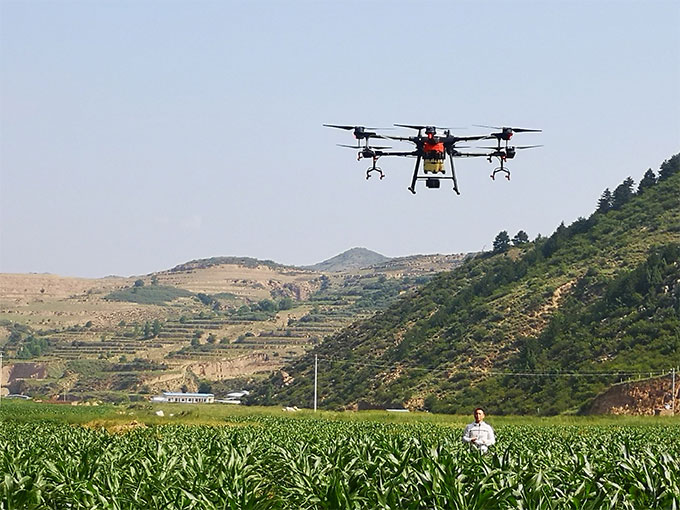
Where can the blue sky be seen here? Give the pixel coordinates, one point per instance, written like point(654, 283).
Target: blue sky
point(135, 136)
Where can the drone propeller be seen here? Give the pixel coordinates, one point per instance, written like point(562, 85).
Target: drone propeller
point(517, 147)
point(516, 130)
point(370, 147)
point(348, 128)
point(420, 128)
point(355, 128)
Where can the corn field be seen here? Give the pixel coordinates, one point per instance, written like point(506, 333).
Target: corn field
point(277, 463)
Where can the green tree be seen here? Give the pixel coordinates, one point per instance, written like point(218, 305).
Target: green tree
point(669, 167)
point(139, 283)
point(267, 305)
point(648, 180)
point(520, 238)
point(623, 193)
point(502, 242)
point(204, 387)
point(156, 328)
point(605, 201)
point(205, 298)
point(285, 303)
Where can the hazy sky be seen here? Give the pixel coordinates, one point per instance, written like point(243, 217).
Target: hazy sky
point(138, 135)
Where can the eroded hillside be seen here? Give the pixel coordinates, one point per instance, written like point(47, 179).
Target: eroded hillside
point(601, 295)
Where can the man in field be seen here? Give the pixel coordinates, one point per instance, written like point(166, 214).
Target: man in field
point(479, 434)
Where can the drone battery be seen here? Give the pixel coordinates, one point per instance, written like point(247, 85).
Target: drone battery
point(431, 182)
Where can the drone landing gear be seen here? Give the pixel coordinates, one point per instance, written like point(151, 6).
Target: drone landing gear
point(500, 169)
point(433, 181)
point(374, 169)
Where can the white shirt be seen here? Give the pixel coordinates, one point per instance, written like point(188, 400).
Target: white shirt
point(484, 434)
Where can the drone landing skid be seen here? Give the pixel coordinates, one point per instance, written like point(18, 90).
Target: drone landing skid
point(433, 182)
point(374, 169)
point(500, 169)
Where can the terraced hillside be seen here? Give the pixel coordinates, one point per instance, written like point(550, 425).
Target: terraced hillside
point(211, 319)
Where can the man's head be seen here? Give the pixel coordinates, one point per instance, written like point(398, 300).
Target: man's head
point(479, 415)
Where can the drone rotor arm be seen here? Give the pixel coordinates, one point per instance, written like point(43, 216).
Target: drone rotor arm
point(401, 154)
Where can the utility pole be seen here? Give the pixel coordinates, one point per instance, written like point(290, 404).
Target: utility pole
point(316, 367)
point(673, 394)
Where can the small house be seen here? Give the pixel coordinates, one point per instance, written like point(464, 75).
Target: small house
point(185, 398)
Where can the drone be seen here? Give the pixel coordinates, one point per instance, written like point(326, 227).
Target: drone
point(432, 146)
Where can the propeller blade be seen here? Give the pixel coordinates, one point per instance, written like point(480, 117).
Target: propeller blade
point(516, 130)
point(410, 126)
point(438, 128)
point(511, 147)
point(352, 128)
point(349, 128)
point(370, 147)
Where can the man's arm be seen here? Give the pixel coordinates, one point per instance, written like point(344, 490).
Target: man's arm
point(491, 439)
point(466, 434)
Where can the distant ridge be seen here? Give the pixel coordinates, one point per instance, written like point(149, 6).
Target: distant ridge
point(356, 258)
point(216, 261)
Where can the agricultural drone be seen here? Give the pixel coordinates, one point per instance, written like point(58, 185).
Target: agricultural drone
point(432, 145)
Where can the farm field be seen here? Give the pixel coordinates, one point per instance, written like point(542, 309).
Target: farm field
point(208, 457)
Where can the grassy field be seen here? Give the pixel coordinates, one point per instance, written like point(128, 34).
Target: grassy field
point(205, 457)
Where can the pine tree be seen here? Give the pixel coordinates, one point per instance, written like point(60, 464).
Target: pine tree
point(521, 237)
point(669, 167)
point(647, 181)
point(605, 202)
point(502, 242)
point(623, 193)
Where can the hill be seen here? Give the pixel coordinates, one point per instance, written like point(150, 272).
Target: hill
point(356, 258)
point(225, 321)
point(600, 296)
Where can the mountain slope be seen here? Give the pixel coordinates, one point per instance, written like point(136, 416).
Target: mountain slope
point(215, 319)
point(356, 258)
point(601, 295)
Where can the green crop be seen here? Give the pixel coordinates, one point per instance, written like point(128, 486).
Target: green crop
point(279, 463)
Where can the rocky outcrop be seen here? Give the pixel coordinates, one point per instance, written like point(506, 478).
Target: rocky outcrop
point(12, 375)
point(648, 397)
point(228, 369)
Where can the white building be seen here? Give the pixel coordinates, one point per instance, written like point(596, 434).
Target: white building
point(185, 398)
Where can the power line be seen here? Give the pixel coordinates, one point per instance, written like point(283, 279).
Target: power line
point(494, 372)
